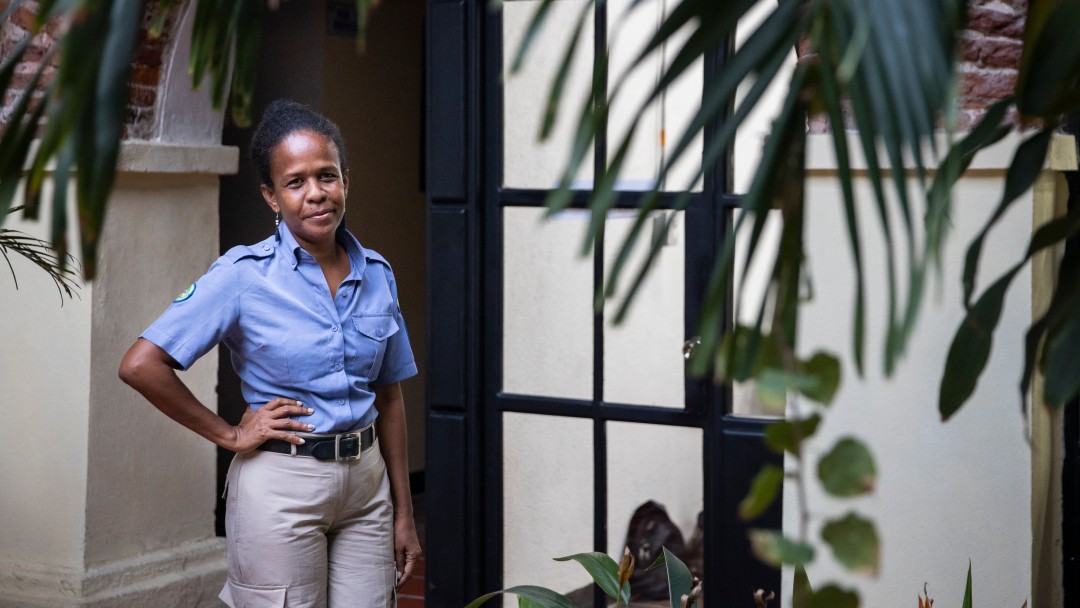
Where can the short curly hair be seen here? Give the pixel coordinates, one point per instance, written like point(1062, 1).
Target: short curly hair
point(282, 118)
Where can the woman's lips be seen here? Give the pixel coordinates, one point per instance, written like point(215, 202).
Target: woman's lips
point(321, 214)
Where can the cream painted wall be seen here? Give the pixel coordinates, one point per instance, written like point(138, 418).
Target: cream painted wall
point(106, 501)
point(44, 375)
point(160, 235)
point(947, 492)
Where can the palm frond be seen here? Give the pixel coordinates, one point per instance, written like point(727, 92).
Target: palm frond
point(61, 268)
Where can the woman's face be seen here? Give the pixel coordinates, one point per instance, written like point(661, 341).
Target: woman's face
point(309, 187)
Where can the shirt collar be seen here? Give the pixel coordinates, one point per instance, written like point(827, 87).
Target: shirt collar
point(357, 257)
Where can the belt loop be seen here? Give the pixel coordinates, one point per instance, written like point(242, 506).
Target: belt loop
point(337, 446)
point(292, 449)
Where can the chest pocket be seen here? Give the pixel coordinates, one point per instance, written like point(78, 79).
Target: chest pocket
point(372, 334)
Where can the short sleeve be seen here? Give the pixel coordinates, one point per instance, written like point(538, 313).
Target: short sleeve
point(398, 362)
point(201, 316)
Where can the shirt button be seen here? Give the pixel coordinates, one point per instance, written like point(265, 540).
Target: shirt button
point(266, 247)
point(333, 328)
point(341, 402)
point(378, 332)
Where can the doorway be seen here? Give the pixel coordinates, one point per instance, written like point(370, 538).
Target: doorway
point(309, 54)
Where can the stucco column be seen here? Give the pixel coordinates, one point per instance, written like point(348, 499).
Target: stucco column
point(106, 502)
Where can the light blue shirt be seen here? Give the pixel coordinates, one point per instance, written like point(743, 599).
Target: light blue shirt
point(269, 304)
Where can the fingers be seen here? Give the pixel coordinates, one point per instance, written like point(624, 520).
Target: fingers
point(275, 421)
point(281, 406)
point(406, 567)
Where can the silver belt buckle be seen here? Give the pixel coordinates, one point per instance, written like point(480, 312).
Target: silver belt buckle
point(337, 446)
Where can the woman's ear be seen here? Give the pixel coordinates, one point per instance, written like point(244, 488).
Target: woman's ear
point(345, 183)
point(268, 196)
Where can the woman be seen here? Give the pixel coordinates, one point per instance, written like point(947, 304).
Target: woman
point(319, 510)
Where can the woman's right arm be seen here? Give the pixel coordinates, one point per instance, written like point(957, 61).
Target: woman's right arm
point(151, 371)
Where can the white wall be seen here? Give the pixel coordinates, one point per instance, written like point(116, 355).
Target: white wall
point(948, 492)
point(44, 376)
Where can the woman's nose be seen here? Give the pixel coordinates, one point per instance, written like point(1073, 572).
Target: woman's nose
point(315, 191)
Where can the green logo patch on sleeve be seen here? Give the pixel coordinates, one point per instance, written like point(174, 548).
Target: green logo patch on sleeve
point(186, 294)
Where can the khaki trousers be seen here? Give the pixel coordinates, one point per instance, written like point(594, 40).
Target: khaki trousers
point(302, 532)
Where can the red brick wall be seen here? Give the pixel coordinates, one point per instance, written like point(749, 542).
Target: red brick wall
point(990, 53)
point(146, 69)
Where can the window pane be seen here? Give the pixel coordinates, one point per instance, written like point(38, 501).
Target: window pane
point(547, 304)
point(547, 500)
point(749, 289)
point(528, 163)
point(661, 464)
point(643, 358)
point(662, 124)
point(750, 137)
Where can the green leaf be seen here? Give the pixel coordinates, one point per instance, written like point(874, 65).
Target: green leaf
point(801, 591)
point(848, 469)
point(541, 596)
point(832, 596)
point(558, 85)
point(824, 369)
point(967, 588)
point(970, 348)
point(788, 435)
point(773, 386)
point(1051, 65)
point(854, 542)
point(602, 569)
point(763, 491)
point(833, 105)
point(773, 548)
point(536, 23)
point(1060, 355)
point(680, 581)
point(1026, 165)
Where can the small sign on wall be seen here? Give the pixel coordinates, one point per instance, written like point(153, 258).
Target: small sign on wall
point(341, 19)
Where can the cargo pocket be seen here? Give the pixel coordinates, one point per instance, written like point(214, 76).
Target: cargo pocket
point(239, 595)
point(371, 346)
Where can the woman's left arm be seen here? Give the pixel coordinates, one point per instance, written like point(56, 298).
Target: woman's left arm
point(393, 442)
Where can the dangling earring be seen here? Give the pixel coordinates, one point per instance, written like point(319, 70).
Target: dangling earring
point(277, 219)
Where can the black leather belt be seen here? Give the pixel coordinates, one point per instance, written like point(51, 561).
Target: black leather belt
point(344, 446)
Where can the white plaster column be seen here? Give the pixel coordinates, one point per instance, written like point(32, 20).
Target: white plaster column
point(107, 502)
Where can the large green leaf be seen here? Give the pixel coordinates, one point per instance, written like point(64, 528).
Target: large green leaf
point(603, 570)
point(680, 580)
point(541, 596)
point(832, 596)
point(801, 591)
point(847, 469)
point(854, 542)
